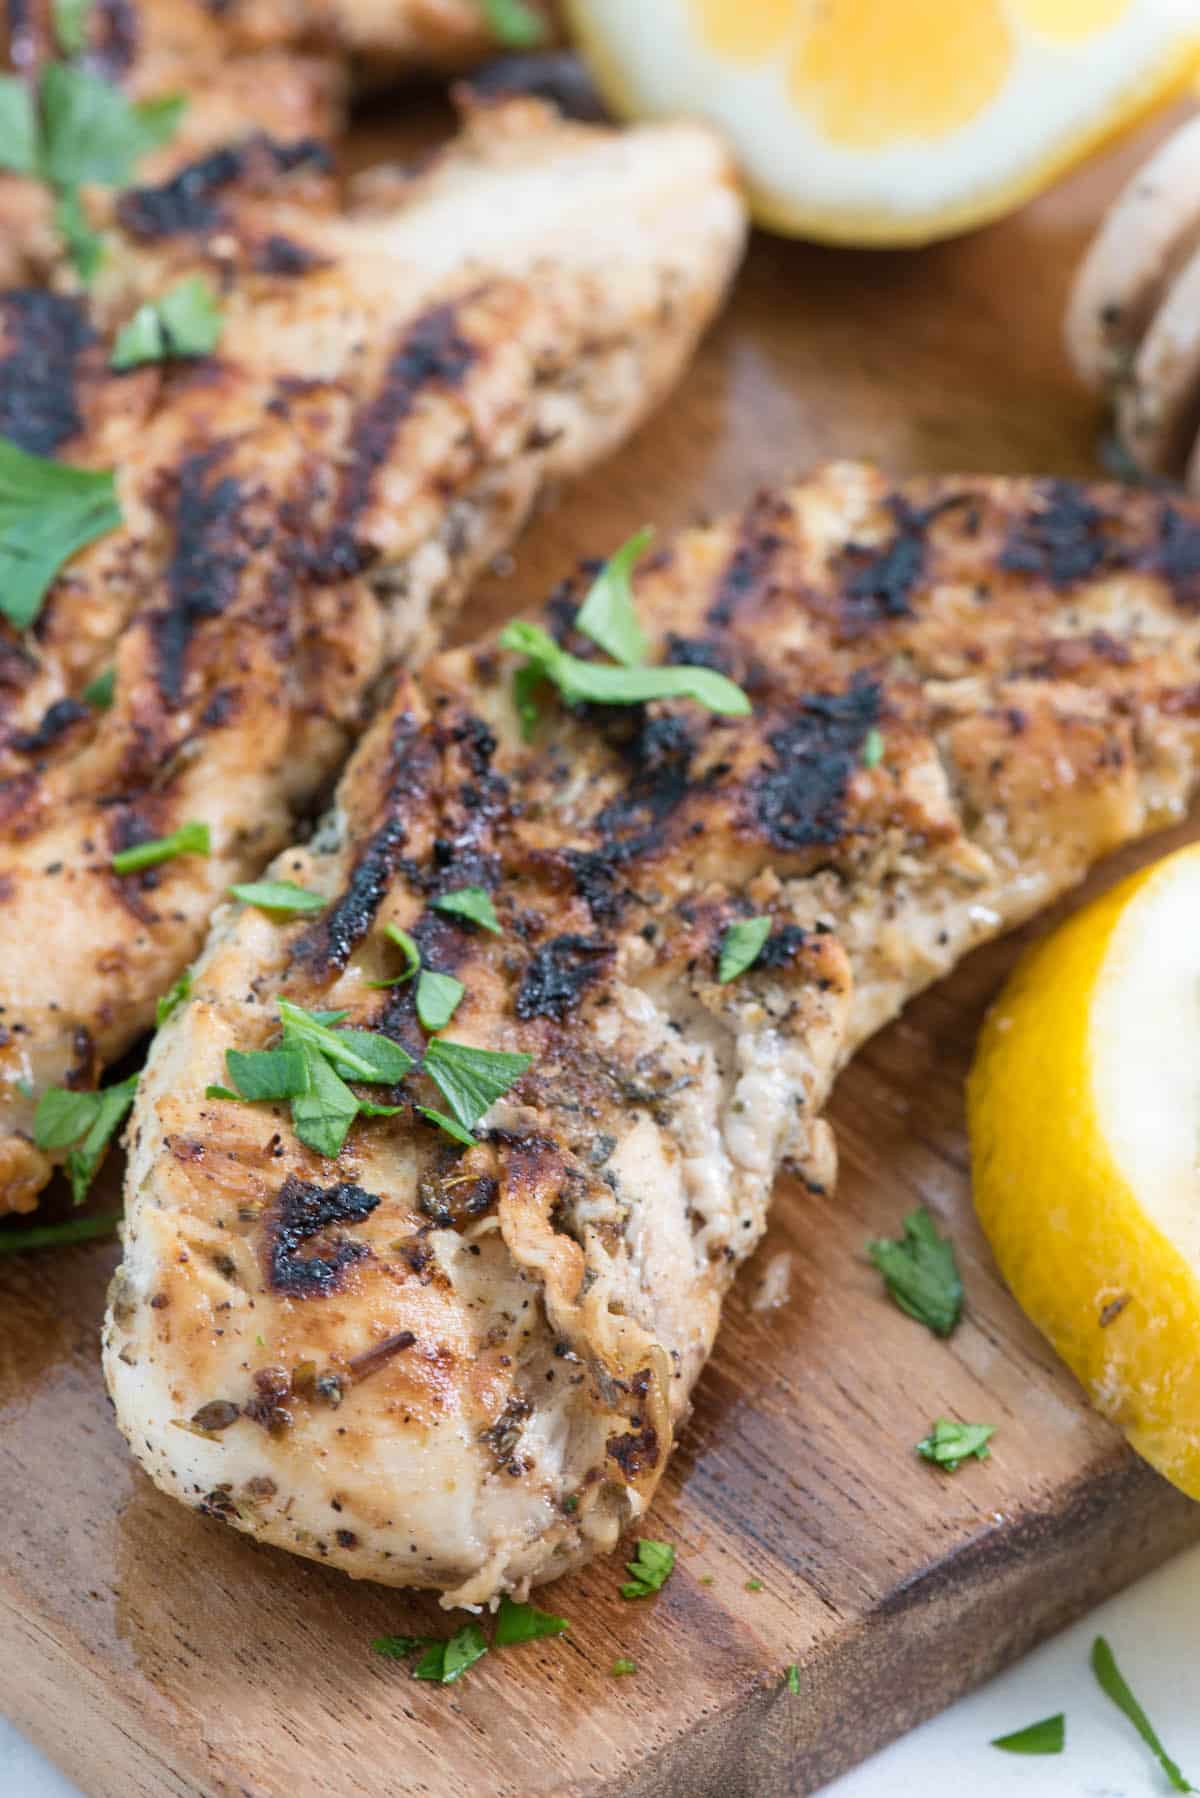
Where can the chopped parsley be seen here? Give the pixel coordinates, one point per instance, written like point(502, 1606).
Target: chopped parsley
point(872, 749)
point(608, 615)
point(471, 1080)
point(70, 25)
point(398, 1648)
point(601, 683)
point(921, 1273)
point(18, 127)
point(1112, 1683)
point(267, 1074)
point(84, 1123)
point(741, 946)
point(448, 1125)
point(754, 1585)
point(1044, 1737)
point(99, 693)
point(190, 839)
point(623, 1666)
point(514, 23)
point(792, 1679)
point(445, 1662)
point(410, 951)
point(649, 1568)
point(949, 1444)
point(282, 896)
point(170, 1001)
point(55, 1236)
point(48, 510)
point(438, 998)
point(472, 903)
point(524, 1623)
point(186, 321)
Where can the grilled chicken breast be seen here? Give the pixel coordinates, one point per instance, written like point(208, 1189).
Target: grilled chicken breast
point(391, 392)
point(463, 1368)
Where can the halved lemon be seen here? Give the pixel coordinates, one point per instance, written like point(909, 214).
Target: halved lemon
point(1084, 1117)
point(893, 121)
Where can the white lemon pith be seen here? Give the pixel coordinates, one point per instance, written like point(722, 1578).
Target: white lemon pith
point(1084, 1116)
point(892, 121)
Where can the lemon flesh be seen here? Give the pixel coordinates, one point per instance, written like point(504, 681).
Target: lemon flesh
point(893, 121)
point(1084, 1119)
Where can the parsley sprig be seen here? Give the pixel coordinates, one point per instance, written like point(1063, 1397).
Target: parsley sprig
point(921, 1273)
point(514, 24)
point(445, 1659)
point(48, 510)
point(57, 1236)
point(949, 1443)
point(649, 1568)
point(192, 838)
point(1113, 1684)
point(186, 321)
point(83, 1122)
point(1047, 1736)
point(741, 946)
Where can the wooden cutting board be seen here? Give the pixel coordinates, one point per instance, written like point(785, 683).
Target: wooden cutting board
point(151, 1651)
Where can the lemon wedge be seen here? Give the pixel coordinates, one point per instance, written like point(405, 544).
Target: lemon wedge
point(1084, 1116)
point(893, 121)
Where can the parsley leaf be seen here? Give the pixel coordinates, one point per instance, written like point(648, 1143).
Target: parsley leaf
point(607, 615)
point(1112, 1684)
point(100, 692)
point(170, 1001)
point(398, 1648)
point(18, 127)
point(921, 1273)
point(53, 1236)
point(525, 682)
point(356, 1054)
point(949, 1444)
point(872, 748)
point(91, 132)
point(623, 1666)
point(70, 25)
point(514, 23)
point(1044, 1737)
point(323, 1113)
point(87, 1120)
point(447, 1661)
point(472, 903)
point(438, 998)
point(525, 1623)
point(792, 1679)
point(270, 1074)
point(214, 1090)
point(190, 839)
point(412, 956)
point(185, 322)
point(471, 1080)
point(600, 684)
point(47, 511)
point(85, 246)
point(281, 896)
point(653, 1563)
point(448, 1125)
point(741, 946)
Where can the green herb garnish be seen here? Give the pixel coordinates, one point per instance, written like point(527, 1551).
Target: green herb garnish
point(18, 127)
point(1112, 1684)
point(471, 1080)
point(47, 511)
point(85, 247)
point(652, 1564)
point(99, 693)
point(438, 998)
point(448, 1125)
point(55, 1236)
point(356, 1054)
point(186, 321)
point(190, 839)
point(524, 1623)
point(398, 1648)
point(514, 23)
point(949, 1444)
point(792, 1679)
point(410, 951)
point(599, 683)
point(622, 1667)
point(214, 1090)
point(444, 1662)
point(741, 946)
point(1044, 1737)
point(472, 903)
point(91, 132)
point(268, 1074)
point(70, 25)
point(921, 1273)
point(754, 1585)
point(608, 615)
point(173, 998)
point(83, 1122)
point(282, 896)
point(872, 748)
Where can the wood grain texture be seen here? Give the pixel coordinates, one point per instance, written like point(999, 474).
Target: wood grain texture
point(151, 1651)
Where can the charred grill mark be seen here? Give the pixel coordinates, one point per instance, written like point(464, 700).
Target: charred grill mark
point(1177, 556)
point(782, 946)
point(636, 1451)
point(206, 564)
point(559, 972)
point(43, 336)
point(1063, 539)
point(699, 652)
point(189, 203)
point(114, 31)
point(304, 1210)
point(278, 255)
point(876, 584)
point(798, 799)
point(659, 750)
point(55, 721)
point(431, 352)
point(748, 571)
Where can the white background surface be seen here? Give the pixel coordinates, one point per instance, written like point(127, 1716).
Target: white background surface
point(1154, 1630)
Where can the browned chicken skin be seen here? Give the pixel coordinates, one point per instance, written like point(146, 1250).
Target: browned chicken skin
point(391, 392)
point(465, 1369)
